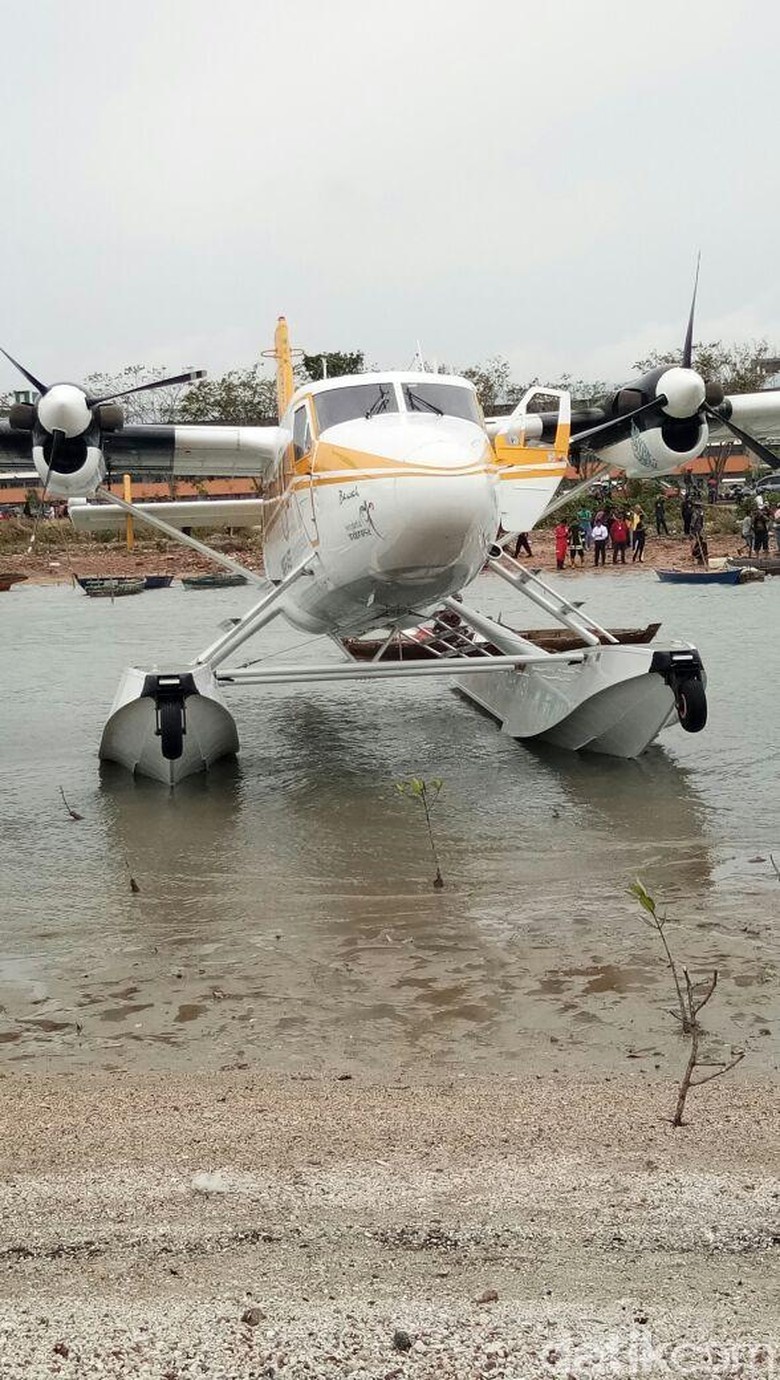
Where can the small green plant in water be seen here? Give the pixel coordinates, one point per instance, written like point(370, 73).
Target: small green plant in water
point(426, 793)
point(691, 998)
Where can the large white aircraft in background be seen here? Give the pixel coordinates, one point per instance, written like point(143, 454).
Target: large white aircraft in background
point(384, 495)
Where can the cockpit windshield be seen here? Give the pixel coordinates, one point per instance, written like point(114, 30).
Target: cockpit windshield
point(336, 405)
point(443, 399)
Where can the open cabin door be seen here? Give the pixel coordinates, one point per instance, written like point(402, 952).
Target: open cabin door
point(529, 471)
point(303, 465)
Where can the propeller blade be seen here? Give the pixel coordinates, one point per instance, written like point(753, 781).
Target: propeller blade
point(617, 423)
point(749, 442)
point(191, 376)
point(56, 437)
point(36, 383)
point(687, 353)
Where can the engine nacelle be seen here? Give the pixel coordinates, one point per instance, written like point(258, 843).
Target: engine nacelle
point(79, 468)
point(653, 450)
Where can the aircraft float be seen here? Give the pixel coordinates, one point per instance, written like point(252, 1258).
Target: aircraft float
point(384, 495)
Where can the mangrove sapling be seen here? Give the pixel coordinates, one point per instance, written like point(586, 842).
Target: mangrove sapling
point(658, 922)
point(692, 999)
point(426, 793)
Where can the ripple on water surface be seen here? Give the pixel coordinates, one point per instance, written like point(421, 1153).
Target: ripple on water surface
point(285, 912)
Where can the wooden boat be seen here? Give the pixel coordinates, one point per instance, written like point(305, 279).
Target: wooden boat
point(8, 578)
point(107, 588)
point(769, 564)
point(420, 645)
point(158, 581)
point(729, 576)
point(224, 580)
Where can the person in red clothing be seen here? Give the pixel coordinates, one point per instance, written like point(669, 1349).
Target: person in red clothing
point(561, 544)
point(619, 534)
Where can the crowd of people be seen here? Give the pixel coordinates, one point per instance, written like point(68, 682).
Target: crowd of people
point(756, 527)
point(606, 529)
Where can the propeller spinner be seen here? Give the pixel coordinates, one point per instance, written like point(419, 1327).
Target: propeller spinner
point(67, 427)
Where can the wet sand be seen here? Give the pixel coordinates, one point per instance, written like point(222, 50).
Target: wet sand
point(510, 1228)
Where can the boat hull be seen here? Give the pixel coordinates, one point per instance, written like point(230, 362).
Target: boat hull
point(731, 576)
point(133, 737)
point(609, 699)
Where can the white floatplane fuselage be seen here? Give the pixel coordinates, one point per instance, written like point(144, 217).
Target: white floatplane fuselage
point(391, 483)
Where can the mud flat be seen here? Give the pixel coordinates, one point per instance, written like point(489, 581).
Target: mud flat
point(235, 1224)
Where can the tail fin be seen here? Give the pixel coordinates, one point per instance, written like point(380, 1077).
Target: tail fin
point(285, 384)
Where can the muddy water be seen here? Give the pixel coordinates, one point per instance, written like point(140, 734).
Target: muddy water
point(285, 914)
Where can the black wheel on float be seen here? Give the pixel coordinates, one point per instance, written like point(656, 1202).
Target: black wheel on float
point(172, 729)
point(692, 705)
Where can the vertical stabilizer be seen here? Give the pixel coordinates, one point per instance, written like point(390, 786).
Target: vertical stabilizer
point(285, 386)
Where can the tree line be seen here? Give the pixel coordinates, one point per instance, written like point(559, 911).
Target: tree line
point(246, 397)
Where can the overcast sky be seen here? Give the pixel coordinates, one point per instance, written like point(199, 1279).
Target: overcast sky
point(505, 178)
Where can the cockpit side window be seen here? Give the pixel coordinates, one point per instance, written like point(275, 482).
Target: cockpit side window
point(442, 399)
point(301, 433)
point(336, 405)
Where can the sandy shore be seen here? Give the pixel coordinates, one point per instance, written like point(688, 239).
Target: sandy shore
point(60, 562)
point(503, 1228)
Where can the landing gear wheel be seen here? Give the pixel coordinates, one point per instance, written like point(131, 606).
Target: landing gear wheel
point(691, 704)
point(172, 729)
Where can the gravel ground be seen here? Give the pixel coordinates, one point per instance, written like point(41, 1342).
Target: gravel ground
point(240, 1225)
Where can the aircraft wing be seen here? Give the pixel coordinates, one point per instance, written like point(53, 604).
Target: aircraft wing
point(171, 451)
point(758, 413)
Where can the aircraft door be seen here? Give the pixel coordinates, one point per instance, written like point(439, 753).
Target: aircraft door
point(303, 457)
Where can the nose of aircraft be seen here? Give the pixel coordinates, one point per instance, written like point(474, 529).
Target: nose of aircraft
point(444, 513)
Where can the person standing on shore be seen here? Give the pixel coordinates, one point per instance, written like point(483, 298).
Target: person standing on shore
point(699, 548)
point(747, 533)
point(522, 544)
point(600, 539)
point(760, 532)
point(660, 516)
point(686, 513)
point(561, 544)
point(776, 526)
point(640, 537)
point(585, 519)
point(576, 542)
point(619, 540)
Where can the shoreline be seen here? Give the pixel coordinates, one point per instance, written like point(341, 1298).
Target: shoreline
point(59, 564)
point(510, 1227)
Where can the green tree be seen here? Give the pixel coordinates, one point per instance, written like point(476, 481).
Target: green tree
point(337, 363)
point(242, 397)
point(158, 408)
point(739, 368)
point(493, 382)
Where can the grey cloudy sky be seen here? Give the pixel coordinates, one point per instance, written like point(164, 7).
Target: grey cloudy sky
point(516, 179)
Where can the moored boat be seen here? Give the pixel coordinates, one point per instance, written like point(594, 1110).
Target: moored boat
point(8, 578)
point(729, 576)
point(769, 564)
point(420, 644)
point(158, 581)
point(223, 580)
point(108, 588)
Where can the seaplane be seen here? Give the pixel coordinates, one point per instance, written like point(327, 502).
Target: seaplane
point(382, 496)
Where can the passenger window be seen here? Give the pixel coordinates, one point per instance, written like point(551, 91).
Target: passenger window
point(301, 433)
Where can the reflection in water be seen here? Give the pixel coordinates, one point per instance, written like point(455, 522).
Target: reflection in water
point(286, 914)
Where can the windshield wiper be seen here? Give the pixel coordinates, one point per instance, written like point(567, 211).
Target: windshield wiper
point(379, 404)
point(419, 403)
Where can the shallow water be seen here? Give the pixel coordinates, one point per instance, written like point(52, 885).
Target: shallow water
point(285, 913)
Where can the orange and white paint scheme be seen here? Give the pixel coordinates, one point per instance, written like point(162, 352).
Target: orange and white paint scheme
point(394, 485)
